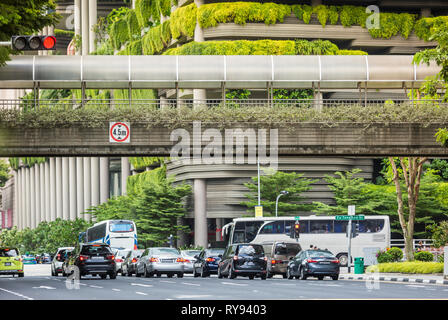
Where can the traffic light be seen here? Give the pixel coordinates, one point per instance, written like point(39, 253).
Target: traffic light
point(355, 230)
point(297, 230)
point(27, 43)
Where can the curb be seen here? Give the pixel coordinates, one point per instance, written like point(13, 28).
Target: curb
point(397, 279)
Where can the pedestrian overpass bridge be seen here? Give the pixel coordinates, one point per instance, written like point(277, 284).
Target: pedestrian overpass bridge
point(359, 73)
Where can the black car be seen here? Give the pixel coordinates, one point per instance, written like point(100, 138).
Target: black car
point(207, 262)
point(313, 263)
point(94, 259)
point(128, 267)
point(246, 260)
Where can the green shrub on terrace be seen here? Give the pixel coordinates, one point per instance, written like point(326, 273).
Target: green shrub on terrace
point(142, 162)
point(392, 24)
point(424, 27)
point(156, 39)
point(183, 21)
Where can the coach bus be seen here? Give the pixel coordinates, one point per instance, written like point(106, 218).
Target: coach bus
point(119, 234)
point(323, 232)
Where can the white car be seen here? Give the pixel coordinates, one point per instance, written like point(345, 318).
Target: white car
point(189, 259)
point(58, 260)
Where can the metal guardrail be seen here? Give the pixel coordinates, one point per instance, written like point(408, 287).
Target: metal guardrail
point(33, 104)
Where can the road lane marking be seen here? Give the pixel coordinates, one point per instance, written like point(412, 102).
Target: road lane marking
point(17, 294)
point(141, 293)
point(142, 285)
point(44, 287)
point(193, 296)
point(235, 284)
point(191, 284)
point(165, 281)
point(116, 290)
point(92, 286)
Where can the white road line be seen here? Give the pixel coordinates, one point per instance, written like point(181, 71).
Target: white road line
point(235, 284)
point(165, 281)
point(141, 293)
point(191, 284)
point(192, 296)
point(142, 285)
point(17, 294)
point(116, 290)
point(415, 286)
point(44, 287)
point(92, 286)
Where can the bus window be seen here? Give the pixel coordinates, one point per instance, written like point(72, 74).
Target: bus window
point(252, 228)
point(304, 226)
point(321, 226)
point(371, 225)
point(275, 227)
point(340, 226)
point(238, 236)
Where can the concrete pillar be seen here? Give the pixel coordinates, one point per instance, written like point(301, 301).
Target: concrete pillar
point(318, 101)
point(65, 189)
point(425, 12)
point(93, 18)
point(53, 207)
point(104, 179)
point(125, 172)
point(72, 187)
point(28, 199)
point(42, 192)
point(199, 95)
point(17, 207)
point(85, 27)
point(59, 206)
point(37, 214)
point(181, 236)
point(200, 212)
point(79, 187)
point(32, 193)
point(47, 191)
point(87, 187)
point(95, 176)
point(23, 197)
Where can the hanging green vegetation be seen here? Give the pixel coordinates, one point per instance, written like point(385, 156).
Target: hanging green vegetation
point(140, 163)
point(425, 27)
point(156, 39)
point(26, 161)
point(183, 21)
point(119, 33)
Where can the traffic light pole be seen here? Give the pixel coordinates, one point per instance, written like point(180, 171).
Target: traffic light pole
point(349, 229)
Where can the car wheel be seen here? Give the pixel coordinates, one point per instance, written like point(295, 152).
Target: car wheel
point(303, 276)
point(343, 259)
point(219, 273)
point(251, 277)
point(335, 277)
point(170, 275)
point(21, 275)
point(113, 275)
point(180, 275)
point(263, 277)
point(103, 276)
point(320, 277)
point(288, 274)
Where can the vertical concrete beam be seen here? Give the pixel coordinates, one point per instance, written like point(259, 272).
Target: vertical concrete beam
point(42, 191)
point(199, 95)
point(200, 212)
point(32, 197)
point(72, 187)
point(125, 172)
point(37, 193)
point(53, 189)
point(95, 176)
point(47, 191)
point(59, 206)
point(219, 224)
point(93, 18)
point(65, 189)
point(85, 27)
point(79, 187)
point(28, 199)
point(87, 187)
point(17, 207)
point(104, 179)
point(23, 196)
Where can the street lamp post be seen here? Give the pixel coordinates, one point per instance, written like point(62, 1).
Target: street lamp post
point(276, 201)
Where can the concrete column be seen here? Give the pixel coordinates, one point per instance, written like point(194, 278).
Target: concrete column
point(52, 183)
point(318, 101)
point(79, 187)
point(125, 172)
point(104, 179)
point(42, 191)
point(32, 193)
point(72, 187)
point(219, 224)
point(87, 187)
point(37, 214)
point(23, 197)
point(95, 176)
point(59, 205)
point(65, 189)
point(28, 198)
point(425, 12)
point(85, 27)
point(17, 208)
point(92, 21)
point(199, 95)
point(47, 191)
point(181, 236)
point(200, 212)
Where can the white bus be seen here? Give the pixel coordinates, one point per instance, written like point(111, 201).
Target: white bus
point(116, 233)
point(323, 232)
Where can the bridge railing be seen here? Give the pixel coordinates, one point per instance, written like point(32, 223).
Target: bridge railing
point(33, 104)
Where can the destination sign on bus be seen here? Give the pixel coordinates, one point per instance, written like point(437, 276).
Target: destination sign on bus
point(345, 218)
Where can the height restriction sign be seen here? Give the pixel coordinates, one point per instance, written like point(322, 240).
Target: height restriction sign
point(119, 132)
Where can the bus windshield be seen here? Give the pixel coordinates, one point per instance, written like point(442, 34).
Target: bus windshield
point(121, 226)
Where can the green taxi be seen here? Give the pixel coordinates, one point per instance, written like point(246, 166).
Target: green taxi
point(11, 262)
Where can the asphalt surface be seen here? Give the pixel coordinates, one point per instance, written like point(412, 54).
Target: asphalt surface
point(38, 284)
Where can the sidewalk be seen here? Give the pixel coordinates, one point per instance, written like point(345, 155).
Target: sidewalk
point(399, 277)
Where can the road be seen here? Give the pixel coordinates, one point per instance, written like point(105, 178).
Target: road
point(38, 284)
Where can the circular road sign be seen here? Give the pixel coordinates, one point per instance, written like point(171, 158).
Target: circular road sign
point(119, 132)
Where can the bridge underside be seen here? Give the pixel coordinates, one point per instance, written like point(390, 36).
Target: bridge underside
point(304, 139)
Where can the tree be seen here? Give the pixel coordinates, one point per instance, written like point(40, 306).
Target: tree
point(270, 187)
point(412, 168)
point(24, 17)
point(439, 234)
point(4, 172)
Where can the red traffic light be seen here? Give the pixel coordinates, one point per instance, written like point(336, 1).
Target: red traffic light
point(27, 43)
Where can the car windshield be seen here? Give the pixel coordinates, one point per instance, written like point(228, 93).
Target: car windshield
point(320, 254)
point(8, 252)
point(191, 253)
point(136, 253)
point(250, 250)
point(287, 249)
point(94, 249)
point(214, 252)
point(165, 251)
point(122, 253)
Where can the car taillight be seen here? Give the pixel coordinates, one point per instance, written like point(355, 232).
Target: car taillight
point(275, 261)
point(180, 260)
point(134, 260)
point(110, 257)
point(186, 260)
point(311, 261)
point(335, 261)
point(153, 260)
point(83, 258)
point(119, 260)
point(210, 259)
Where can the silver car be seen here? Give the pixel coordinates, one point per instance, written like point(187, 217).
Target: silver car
point(158, 261)
point(58, 260)
point(189, 259)
point(120, 256)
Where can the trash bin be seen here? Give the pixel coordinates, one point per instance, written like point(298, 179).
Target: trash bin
point(359, 265)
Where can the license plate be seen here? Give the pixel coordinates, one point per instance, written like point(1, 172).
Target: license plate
point(98, 258)
point(325, 262)
point(7, 264)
